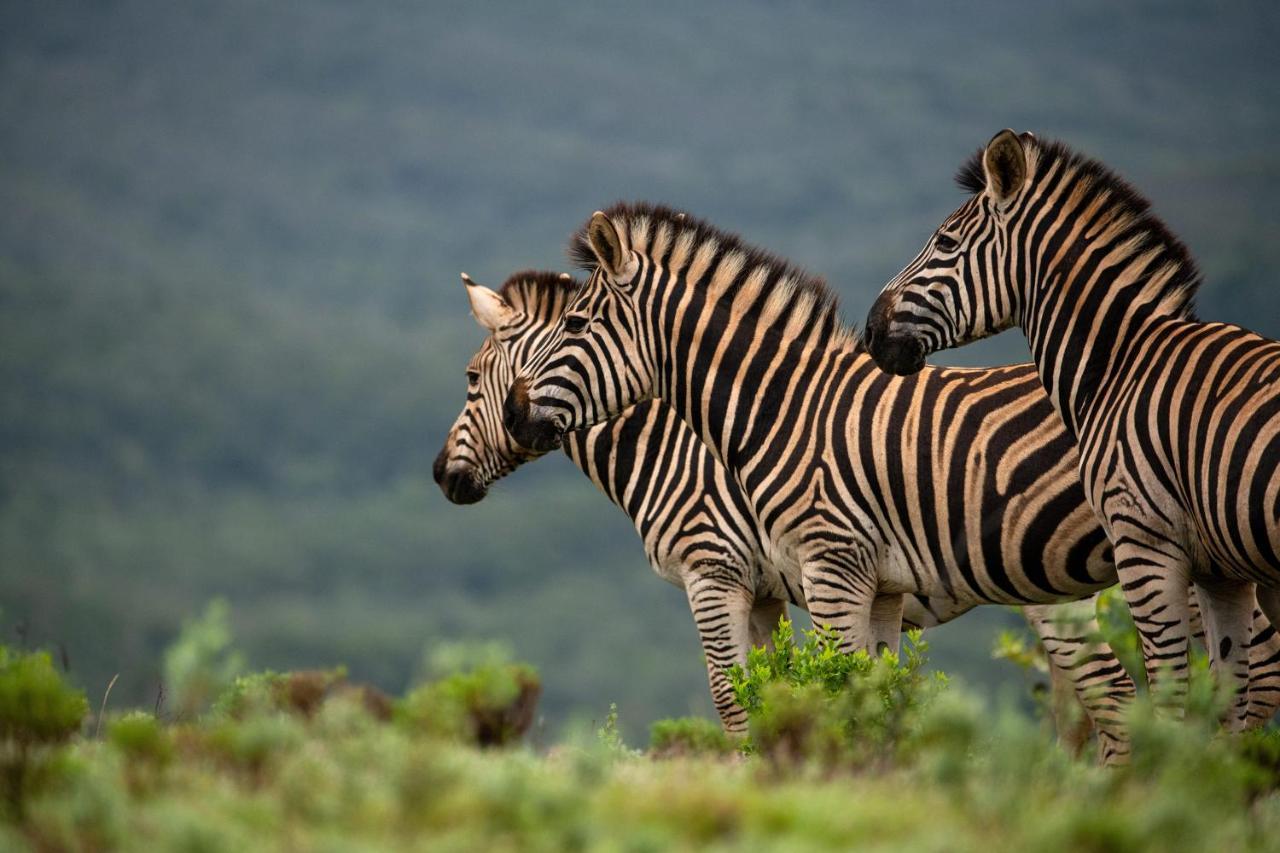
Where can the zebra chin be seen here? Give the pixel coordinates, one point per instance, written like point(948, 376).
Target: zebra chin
point(459, 482)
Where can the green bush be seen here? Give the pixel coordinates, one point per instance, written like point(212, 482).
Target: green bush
point(147, 747)
point(814, 703)
point(482, 698)
point(201, 663)
point(686, 736)
point(38, 712)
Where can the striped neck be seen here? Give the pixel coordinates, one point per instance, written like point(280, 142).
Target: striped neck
point(730, 332)
point(732, 368)
point(1100, 270)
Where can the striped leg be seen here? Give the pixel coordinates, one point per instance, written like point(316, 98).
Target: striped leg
point(1078, 655)
point(1228, 628)
point(841, 598)
point(765, 616)
point(1264, 671)
point(722, 611)
point(1156, 586)
point(886, 622)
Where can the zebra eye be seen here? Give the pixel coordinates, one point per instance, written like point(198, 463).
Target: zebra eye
point(473, 377)
point(574, 323)
point(945, 243)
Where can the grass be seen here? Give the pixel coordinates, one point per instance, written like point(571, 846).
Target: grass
point(878, 755)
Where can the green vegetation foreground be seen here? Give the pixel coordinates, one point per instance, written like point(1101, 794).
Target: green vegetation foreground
point(844, 750)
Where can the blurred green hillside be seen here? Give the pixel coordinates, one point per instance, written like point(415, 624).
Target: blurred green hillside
point(231, 330)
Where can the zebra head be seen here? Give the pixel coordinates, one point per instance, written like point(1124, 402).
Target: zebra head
point(961, 287)
point(595, 365)
point(518, 318)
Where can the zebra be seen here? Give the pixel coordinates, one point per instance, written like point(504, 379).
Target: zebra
point(854, 476)
point(1177, 420)
point(695, 522)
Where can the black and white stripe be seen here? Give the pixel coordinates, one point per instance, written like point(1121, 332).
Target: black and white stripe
point(1178, 420)
point(695, 522)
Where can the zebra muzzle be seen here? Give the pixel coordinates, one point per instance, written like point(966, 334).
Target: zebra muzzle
point(529, 425)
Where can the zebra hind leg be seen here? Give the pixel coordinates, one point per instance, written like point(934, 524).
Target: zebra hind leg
point(1228, 627)
point(1264, 671)
point(1081, 658)
point(722, 609)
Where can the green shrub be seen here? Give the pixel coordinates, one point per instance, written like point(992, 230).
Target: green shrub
point(685, 736)
point(147, 747)
point(38, 712)
point(485, 700)
point(201, 663)
point(813, 702)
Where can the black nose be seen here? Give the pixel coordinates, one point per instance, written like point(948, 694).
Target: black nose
point(537, 435)
point(461, 488)
point(899, 354)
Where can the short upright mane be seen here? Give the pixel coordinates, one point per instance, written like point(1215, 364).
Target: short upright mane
point(1148, 230)
point(534, 291)
point(787, 288)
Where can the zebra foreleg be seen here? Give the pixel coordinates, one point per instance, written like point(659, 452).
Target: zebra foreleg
point(1228, 626)
point(722, 610)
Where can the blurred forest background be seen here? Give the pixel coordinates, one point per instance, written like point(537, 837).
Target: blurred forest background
point(232, 335)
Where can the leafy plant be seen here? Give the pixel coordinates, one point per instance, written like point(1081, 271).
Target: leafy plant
point(486, 699)
point(813, 702)
point(685, 736)
point(201, 663)
point(38, 712)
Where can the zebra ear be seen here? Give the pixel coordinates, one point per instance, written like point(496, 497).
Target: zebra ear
point(608, 246)
point(1005, 163)
point(489, 308)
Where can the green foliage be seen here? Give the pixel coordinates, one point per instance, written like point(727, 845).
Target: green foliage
point(481, 697)
point(201, 663)
point(141, 738)
point(37, 707)
point(813, 703)
point(338, 777)
point(38, 712)
point(147, 747)
point(1022, 649)
point(685, 736)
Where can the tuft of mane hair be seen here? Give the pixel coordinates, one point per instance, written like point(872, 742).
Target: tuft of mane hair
point(531, 291)
point(785, 285)
point(1145, 229)
point(971, 177)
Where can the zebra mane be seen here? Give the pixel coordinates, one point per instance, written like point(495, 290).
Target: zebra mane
point(536, 291)
point(1144, 228)
point(785, 291)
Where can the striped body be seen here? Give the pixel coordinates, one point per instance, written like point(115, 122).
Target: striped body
point(699, 529)
point(957, 486)
point(1178, 421)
